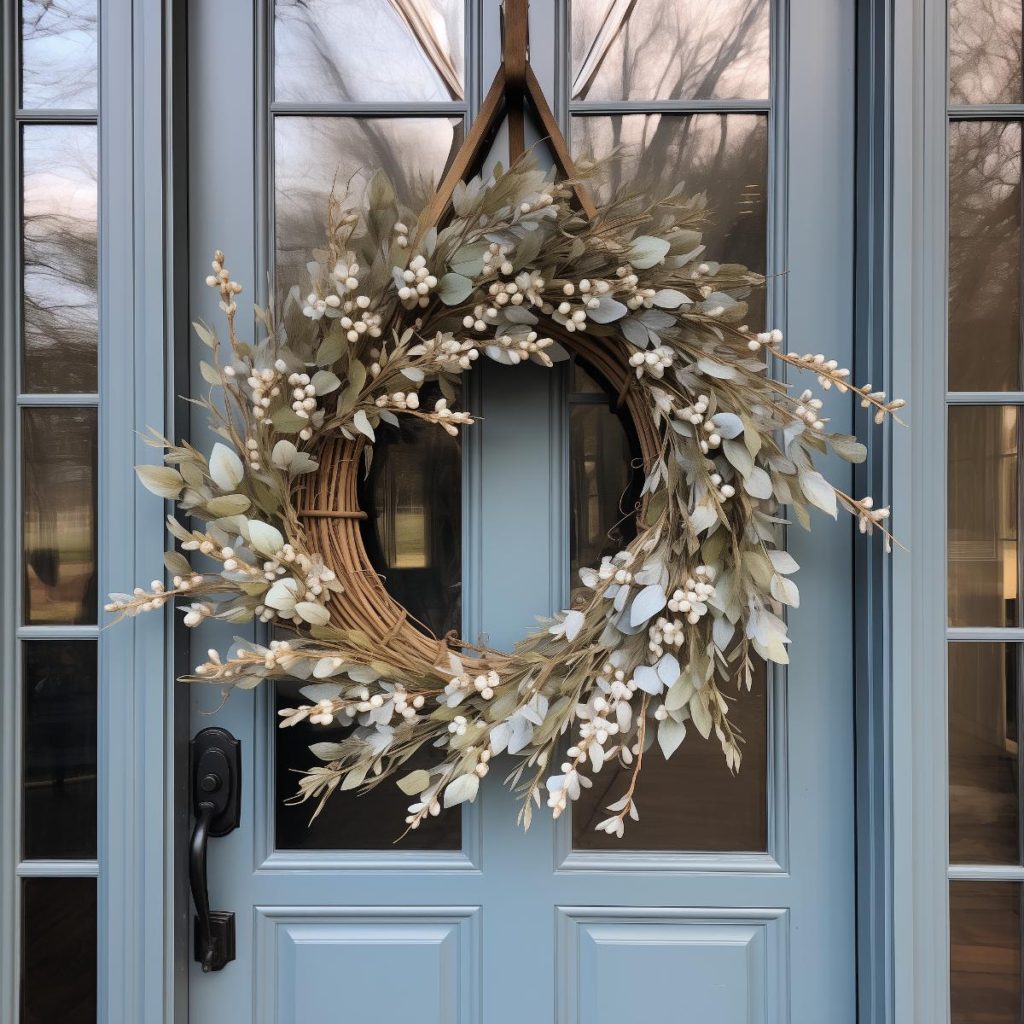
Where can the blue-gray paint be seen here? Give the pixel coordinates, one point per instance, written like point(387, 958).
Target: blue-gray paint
point(917, 289)
point(142, 937)
point(137, 951)
point(804, 888)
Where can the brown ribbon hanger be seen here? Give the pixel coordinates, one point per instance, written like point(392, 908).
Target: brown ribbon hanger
point(515, 87)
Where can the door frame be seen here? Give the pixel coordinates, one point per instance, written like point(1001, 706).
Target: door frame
point(903, 963)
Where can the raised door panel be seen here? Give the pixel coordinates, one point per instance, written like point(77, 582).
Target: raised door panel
point(372, 965)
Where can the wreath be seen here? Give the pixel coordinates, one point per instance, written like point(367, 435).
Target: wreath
point(658, 638)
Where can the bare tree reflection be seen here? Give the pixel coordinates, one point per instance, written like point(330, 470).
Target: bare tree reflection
point(985, 51)
point(58, 512)
point(724, 156)
point(984, 255)
point(314, 155)
point(59, 253)
point(671, 49)
point(58, 53)
point(361, 50)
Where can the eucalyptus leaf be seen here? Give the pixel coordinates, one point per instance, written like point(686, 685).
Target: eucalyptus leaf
point(647, 604)
point(454, 289)
point(819, 491)
point(464, 788)
point(228, 505)
point(413, 783)
point(646, 251)
point(670, 734)
point(607, 311)
point(162, 481)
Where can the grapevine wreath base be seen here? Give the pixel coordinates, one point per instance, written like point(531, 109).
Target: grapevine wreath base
point(658, 638)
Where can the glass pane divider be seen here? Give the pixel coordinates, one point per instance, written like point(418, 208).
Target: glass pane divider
point(36, 116)
point(611, 107)
point(84, 400)
point(396, 109)
point(986, 872)
point(58, 869)
point(986, 111)
point(58, 632)
point(1005, 634)
point(985, 398)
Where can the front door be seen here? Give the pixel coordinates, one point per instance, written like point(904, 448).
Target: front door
point(732, 899)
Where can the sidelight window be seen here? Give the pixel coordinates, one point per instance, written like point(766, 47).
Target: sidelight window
point(985, 400)
point(50, 333)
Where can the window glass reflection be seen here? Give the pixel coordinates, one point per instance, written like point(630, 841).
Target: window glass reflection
point(369, 50)
point(984, 760)
point(984, 513)
point(690, 802)
point(313, 155)
point(58, 951)
point(59, 749)
point(371, 821)
point(58, 54)
point(723, 155)
point(985, 952)
point(413, 530)
point(670, 49)
point(605, 476)
point(60, 258)
point(984, 255)
point(58, 515)
point(985, 51)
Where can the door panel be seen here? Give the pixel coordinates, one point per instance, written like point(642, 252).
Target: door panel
point(733, 899)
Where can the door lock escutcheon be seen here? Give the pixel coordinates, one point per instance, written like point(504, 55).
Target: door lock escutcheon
point(216, 803)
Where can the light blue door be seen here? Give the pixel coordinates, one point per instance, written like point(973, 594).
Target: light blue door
point(732, 900)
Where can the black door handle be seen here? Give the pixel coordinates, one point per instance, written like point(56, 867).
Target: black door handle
point(216, 792)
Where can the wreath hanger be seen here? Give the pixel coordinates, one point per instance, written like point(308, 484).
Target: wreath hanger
point(515, 87)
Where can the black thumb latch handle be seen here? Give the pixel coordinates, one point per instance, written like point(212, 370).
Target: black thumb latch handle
point(216, 792)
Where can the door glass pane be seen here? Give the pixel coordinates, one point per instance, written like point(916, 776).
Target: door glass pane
point(413, 530)
point(58, 953)
point(58, 515)
point(984, 255)
point(605, 481)
point(59, 253)
point(58, 54)
point(984, 509)
point(682, 801)
point(985, 51)
point(984, 772)
point(59, 749)
point(690, 802)
point(369, 50)
point(723, 155)
point(373, 821)
point(985, 952)
point(670, 49)
point(315, 154)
